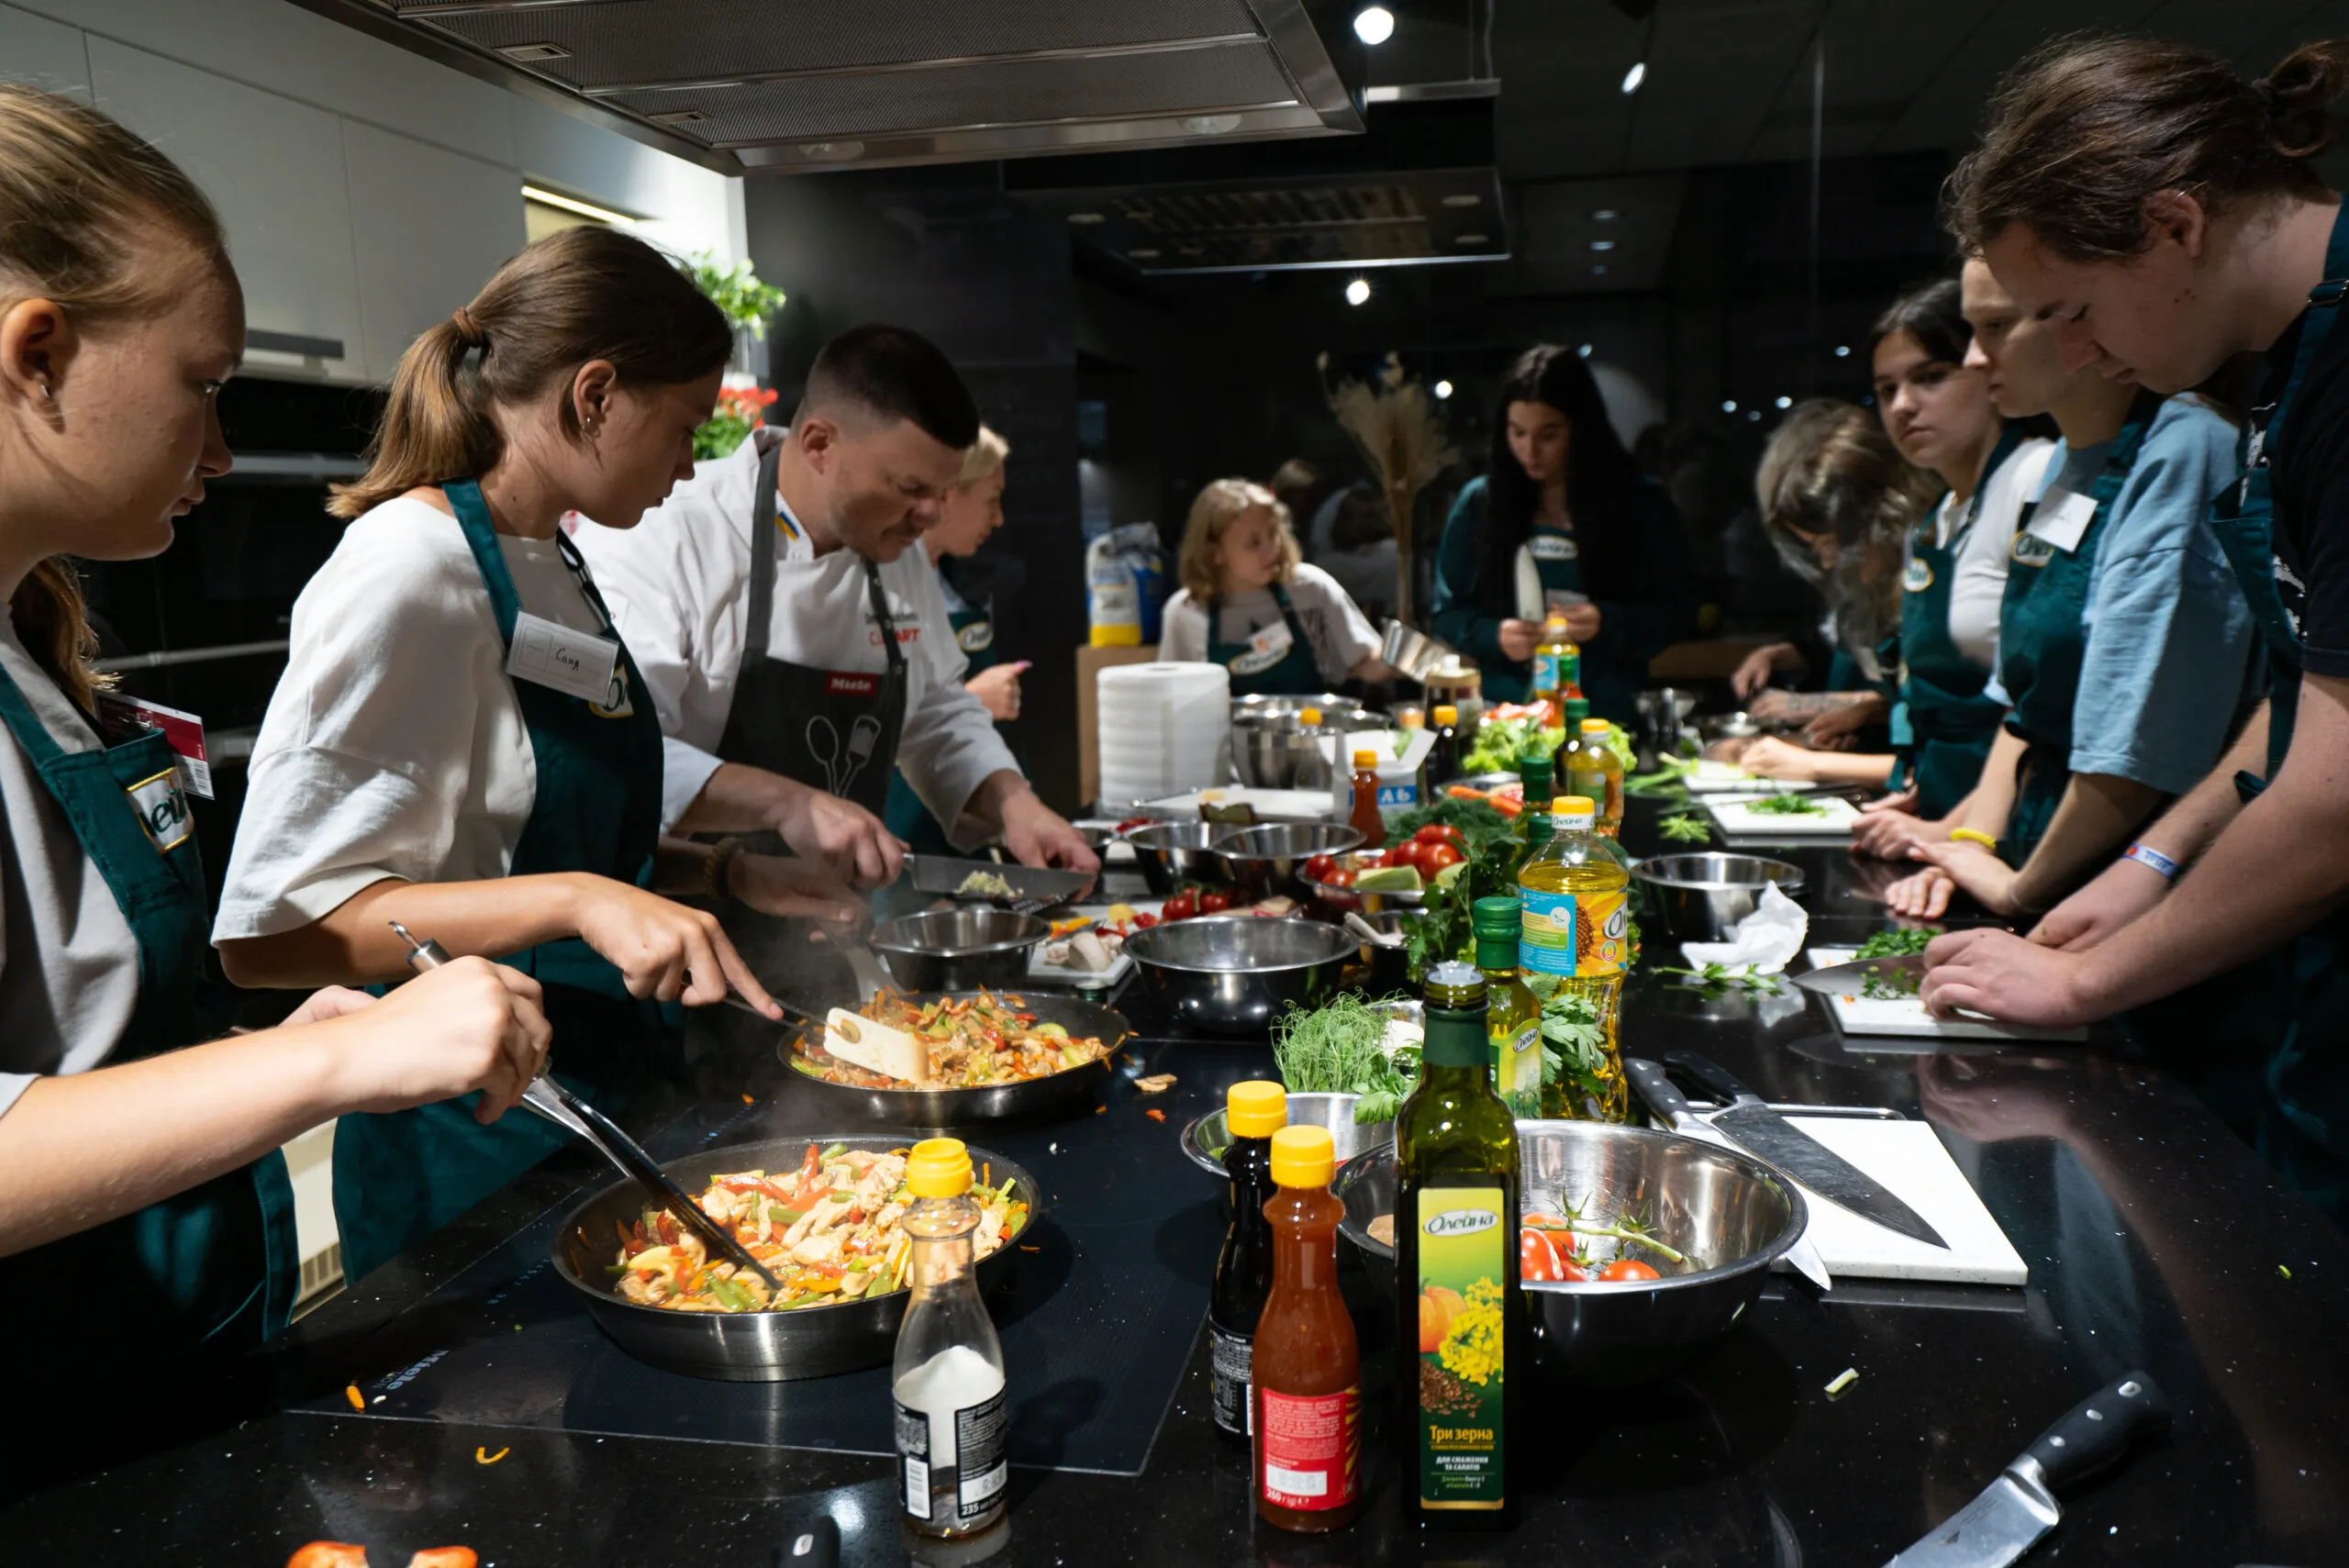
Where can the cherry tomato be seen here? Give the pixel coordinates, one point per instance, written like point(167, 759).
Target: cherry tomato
point(1144, 920)
point(1405, 853)
point(1628, 1269)
point(1559, 1231)
point(1437, 833)
point(1134, 822)
point(1214, 903)
point(1182, 907)
point(1434, 857)
point(1319, 867)
point(1536, 1258)
point(1570, 1271)
point(1341, 877)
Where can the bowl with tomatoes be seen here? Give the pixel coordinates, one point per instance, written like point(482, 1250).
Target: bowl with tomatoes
point(1638, 1250)
point(1267, 859)
point(1336, 879)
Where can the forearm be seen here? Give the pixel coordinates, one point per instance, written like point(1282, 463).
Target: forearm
point(2093, 820)
point(984, 809)
point(78, 1151)
point(2199, 816)
point(1811, 704)
point(1870, 768)
point(355, 945)
point(738, 799)
point(1993, 800)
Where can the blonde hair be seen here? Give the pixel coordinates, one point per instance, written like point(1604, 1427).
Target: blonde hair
point(1220, 505)
point(984, 458)
point(582, 293)
point(81, 199)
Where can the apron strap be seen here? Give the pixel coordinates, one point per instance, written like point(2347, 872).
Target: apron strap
point(896, 676)
point(761, 607)
point(481, 537)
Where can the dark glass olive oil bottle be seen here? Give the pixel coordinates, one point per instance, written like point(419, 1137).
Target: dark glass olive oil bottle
point(1455, 1270)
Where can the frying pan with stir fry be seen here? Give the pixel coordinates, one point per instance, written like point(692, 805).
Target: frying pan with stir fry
point(1068, 1089)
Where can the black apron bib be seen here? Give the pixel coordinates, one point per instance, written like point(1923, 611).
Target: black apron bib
point(836, 730)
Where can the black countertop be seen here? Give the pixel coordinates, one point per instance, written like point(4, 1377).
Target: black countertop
point(2153, 1238)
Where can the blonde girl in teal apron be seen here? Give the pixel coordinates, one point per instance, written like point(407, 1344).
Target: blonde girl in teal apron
point(139, 1163)
point(1239, 559)
point(455, 614)
point(2189, 222)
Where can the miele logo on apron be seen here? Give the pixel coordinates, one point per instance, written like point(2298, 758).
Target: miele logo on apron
point(850, 684)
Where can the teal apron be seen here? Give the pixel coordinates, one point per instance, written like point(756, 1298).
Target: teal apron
point(2303, 1126)
point(1291, 673)
point(1946, 724)
point(214, 1269)
point(906, 816)
point(2043, 640)
point(597, 809)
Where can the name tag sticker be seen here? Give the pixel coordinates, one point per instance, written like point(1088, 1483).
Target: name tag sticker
point(1266, 649)
point(2062, 517)
point(576, 663)
point(1546, 546)
point(182, 732)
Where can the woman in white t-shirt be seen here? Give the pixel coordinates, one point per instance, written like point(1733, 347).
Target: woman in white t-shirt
point(1249, 602)
point(461, 747)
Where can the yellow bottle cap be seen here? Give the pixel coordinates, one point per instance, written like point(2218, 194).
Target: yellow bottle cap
point(938, 1167)
point(1257, 1109)
point(1310, 716)
point(1411, 719)
point(1571, 804)
point(1555, 618)
point(1366, 760)
point(1595, 726)
point(1446, 714)
point(1304, 1157)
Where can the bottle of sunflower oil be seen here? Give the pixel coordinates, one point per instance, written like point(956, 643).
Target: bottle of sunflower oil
point(1574, 896)
point(1557, 670)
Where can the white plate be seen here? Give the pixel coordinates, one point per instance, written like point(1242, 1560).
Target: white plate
point(1834, 819)
point(1906, 1016)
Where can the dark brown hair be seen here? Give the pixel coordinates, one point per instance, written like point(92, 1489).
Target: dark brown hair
point(895, 374)
point(584, 293)
point(2082, 131)
point(81, 201)
point(1932, 313)
point(1830, 469)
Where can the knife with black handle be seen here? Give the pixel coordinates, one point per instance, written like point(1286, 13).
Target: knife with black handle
point(1746, 1121)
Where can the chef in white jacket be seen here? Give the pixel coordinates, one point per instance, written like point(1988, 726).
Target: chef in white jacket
point(796, 645)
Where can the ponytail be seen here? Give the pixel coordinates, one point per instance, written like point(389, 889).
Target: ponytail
point(579, 294)
point(2080, 133)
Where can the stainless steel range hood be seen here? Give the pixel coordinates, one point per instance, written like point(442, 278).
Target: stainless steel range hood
point(791, 85)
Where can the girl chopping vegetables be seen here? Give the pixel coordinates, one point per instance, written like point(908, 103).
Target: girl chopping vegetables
point(139, 1163)
point(461, 744)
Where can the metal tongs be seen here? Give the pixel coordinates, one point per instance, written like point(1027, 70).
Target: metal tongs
point(567, 1110)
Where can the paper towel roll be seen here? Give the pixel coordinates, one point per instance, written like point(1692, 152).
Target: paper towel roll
point(1162, 729)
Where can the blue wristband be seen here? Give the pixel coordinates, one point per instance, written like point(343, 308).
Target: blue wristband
point(2156, 859)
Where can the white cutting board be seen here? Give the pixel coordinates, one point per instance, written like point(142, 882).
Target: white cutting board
point(1712, 776)
point(1905, 1017)
point(1270, 805)
point(1834, 819)
point(1907, 1158)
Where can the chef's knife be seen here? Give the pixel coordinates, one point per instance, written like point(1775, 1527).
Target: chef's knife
point(1903, 971)
point(2012, 1513)
point(1664, 1103)
point(1754, 1126)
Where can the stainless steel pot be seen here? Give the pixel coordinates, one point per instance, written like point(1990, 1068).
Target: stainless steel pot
point(1271, 748)
point(1170, 853)
point(1729, 1212)
point(1206, 1138)
point(1701, 897)
point(1233, 973)
point(1070, 1093)
point(749, 1347)
point(958, 950)
point(1412, 652)
point(1266, 859)
point(1344, 900)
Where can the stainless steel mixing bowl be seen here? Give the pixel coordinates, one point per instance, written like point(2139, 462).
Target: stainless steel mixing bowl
point(958, 950)
point(1265, 859)
point(1206, 1138)
point(1233, 973)
point(1701, 897)
point(1170, 853)
point(1731, 1214)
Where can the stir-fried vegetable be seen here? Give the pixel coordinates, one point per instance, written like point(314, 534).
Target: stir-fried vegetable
point(828, 1232)
point(984, 1039)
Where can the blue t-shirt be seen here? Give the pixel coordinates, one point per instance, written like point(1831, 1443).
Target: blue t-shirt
point(2169, 661)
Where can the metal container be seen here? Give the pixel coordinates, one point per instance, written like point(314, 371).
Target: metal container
point(1072, 1092)
point(1344, 900)
point(1266, 859)
point(1271, 748)
point(1701, 897)
point(958, 949)
point(1169, 853)
point(1726, 1210)
point(1207, 1137)
point(1411, 652)
point(1234, 973)
point(749, 1347)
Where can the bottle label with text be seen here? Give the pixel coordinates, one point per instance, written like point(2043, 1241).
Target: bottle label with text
point(1569, 935)
point(1312, 1449)
point(1464, 1244)
point(1230, 1360)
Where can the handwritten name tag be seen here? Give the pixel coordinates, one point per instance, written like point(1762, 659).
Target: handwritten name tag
point(2062, 517)
point(576, 663)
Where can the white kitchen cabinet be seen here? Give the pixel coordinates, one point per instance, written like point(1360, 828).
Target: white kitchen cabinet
point(429, 227)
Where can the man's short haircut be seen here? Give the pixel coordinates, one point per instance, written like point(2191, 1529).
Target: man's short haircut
point(895, 374)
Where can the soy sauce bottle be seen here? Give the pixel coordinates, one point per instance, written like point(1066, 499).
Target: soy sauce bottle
point(1254, 1111)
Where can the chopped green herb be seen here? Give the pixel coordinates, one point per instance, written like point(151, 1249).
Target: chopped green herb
point(1715, 978)
point(1785, 805)
point(1686, 828)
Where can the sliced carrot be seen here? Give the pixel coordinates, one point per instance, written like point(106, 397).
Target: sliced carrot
point(328, 1554)
point(358, 1400)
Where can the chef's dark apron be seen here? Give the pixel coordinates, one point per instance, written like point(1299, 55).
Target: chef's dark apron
point(1294, 674)
point(906, 817)
point(2303, 1128)
point(836, 730)
point(400, 1175)
point(2043, 640)
point(1949, 723)
point(212, 1270)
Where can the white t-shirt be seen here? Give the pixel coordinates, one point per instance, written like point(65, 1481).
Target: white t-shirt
point(393, 745)
point(1340, 636)
point(1978, 580)
point(69, 965)
point(678, 584)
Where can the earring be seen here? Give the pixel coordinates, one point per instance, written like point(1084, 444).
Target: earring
point(48, 393)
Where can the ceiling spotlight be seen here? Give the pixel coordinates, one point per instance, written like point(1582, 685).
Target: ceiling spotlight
point(1842, 351)
point(1604, 215)
point(1442, 389)
point(1463, 199)
point(1784, 402)
point(1374, 25)
point(1358, 291)
point(1755, 415)
point(1086, 218)
point(1729, 404)
point(1634, 77)
point(1599, 271)
point(1602, 244)
point(1584, 350)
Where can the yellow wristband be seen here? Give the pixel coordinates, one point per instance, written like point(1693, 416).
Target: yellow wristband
point(1974, 836)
